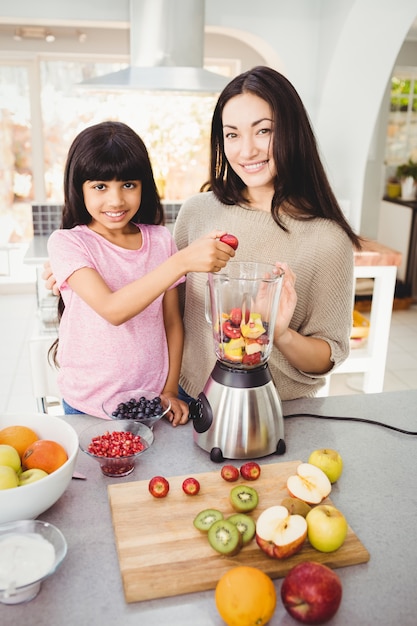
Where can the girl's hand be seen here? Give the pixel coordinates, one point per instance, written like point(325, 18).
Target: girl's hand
point(179, 413)
point(208, 253)
point(287, 302)
point(49, 278)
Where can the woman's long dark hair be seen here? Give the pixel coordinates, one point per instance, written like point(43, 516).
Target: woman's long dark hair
point(301, 185)
point(104, 152)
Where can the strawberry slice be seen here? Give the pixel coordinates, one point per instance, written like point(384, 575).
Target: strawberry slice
point(236, 316)
point(251, 359)
point(231, 331)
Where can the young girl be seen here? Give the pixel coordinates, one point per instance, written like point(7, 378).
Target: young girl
point(117, 269)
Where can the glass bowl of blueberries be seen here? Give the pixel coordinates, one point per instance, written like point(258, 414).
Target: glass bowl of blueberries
point(140, 405)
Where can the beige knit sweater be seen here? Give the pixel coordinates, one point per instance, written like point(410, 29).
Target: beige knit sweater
point(318, 251)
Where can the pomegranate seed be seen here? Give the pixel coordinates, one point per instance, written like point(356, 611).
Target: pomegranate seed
point(116, 444)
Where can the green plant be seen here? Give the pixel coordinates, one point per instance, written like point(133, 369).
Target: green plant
point(407, 169)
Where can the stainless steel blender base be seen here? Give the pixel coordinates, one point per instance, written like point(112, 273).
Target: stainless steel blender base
point(239, 420)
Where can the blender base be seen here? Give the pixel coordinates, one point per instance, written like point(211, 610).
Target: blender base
point(238, 415)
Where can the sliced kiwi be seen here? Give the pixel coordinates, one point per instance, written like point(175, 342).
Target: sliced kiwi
point(224, 537)
point(206, 518)
point(244, 498)
point(245, 525)
point(296, 506)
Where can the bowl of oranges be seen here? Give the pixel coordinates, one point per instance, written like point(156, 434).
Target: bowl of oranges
point(37, 460)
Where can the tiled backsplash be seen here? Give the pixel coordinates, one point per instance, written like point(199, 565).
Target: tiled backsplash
point(47, 217)
point(171, 211)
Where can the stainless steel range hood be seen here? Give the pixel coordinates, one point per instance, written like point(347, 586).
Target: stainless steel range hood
point(166, 50)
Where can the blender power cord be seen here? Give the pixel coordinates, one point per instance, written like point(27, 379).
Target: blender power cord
point(353, 419)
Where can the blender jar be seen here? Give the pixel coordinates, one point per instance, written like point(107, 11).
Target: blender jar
point(242, 306)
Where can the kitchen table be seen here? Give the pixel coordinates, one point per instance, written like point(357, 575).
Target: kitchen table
point(377, 492)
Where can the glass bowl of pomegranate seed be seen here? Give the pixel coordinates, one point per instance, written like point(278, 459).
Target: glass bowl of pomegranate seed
point(116, 446)
point(140, 405)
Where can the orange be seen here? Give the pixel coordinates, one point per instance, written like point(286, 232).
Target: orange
point(45, 455)
point(245, 596)
point(19, 437)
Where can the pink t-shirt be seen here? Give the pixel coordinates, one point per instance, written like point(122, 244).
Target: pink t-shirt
point(98, 359)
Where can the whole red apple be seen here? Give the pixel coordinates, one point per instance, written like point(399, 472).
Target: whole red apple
point(230, 473)
point(311, 592)
point(250, 470)
point(158, 487)
point(191, 486)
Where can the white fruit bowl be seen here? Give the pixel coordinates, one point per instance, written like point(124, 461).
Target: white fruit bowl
point(28, 570)
point(29, 501)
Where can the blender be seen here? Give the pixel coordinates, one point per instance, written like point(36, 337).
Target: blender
point(238, 415)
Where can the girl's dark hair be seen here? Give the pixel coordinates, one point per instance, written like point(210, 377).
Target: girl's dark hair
point(301, 185)
point(108, 151)
point(104, 152)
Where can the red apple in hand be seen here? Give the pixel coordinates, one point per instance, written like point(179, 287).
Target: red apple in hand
point(311, 592)
point(231, 241)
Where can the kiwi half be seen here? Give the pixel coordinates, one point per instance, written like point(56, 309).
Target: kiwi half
point(224, 537)
point(206, 518)
point(245, 525)
point(244, 498)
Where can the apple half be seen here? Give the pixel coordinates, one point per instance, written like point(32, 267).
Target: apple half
point(309, 484)
point(280, 534)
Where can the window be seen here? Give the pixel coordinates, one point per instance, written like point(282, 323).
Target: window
point(401, 141)
point(175, 129)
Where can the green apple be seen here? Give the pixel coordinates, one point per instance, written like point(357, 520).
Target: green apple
point(9, 456)
point(326, 528)
point(31, 476)
point(329, 461)
point(8, 477)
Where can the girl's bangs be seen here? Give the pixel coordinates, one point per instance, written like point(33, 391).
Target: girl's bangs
point(122, 166)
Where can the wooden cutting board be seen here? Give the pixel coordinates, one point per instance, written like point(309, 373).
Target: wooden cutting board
point(161, 554)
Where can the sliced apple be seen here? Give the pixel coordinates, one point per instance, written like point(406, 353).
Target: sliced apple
point(309, 484)
point(279, 534)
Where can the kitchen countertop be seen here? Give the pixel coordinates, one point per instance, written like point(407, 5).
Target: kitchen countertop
point(376, 492)
point(375, 253)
